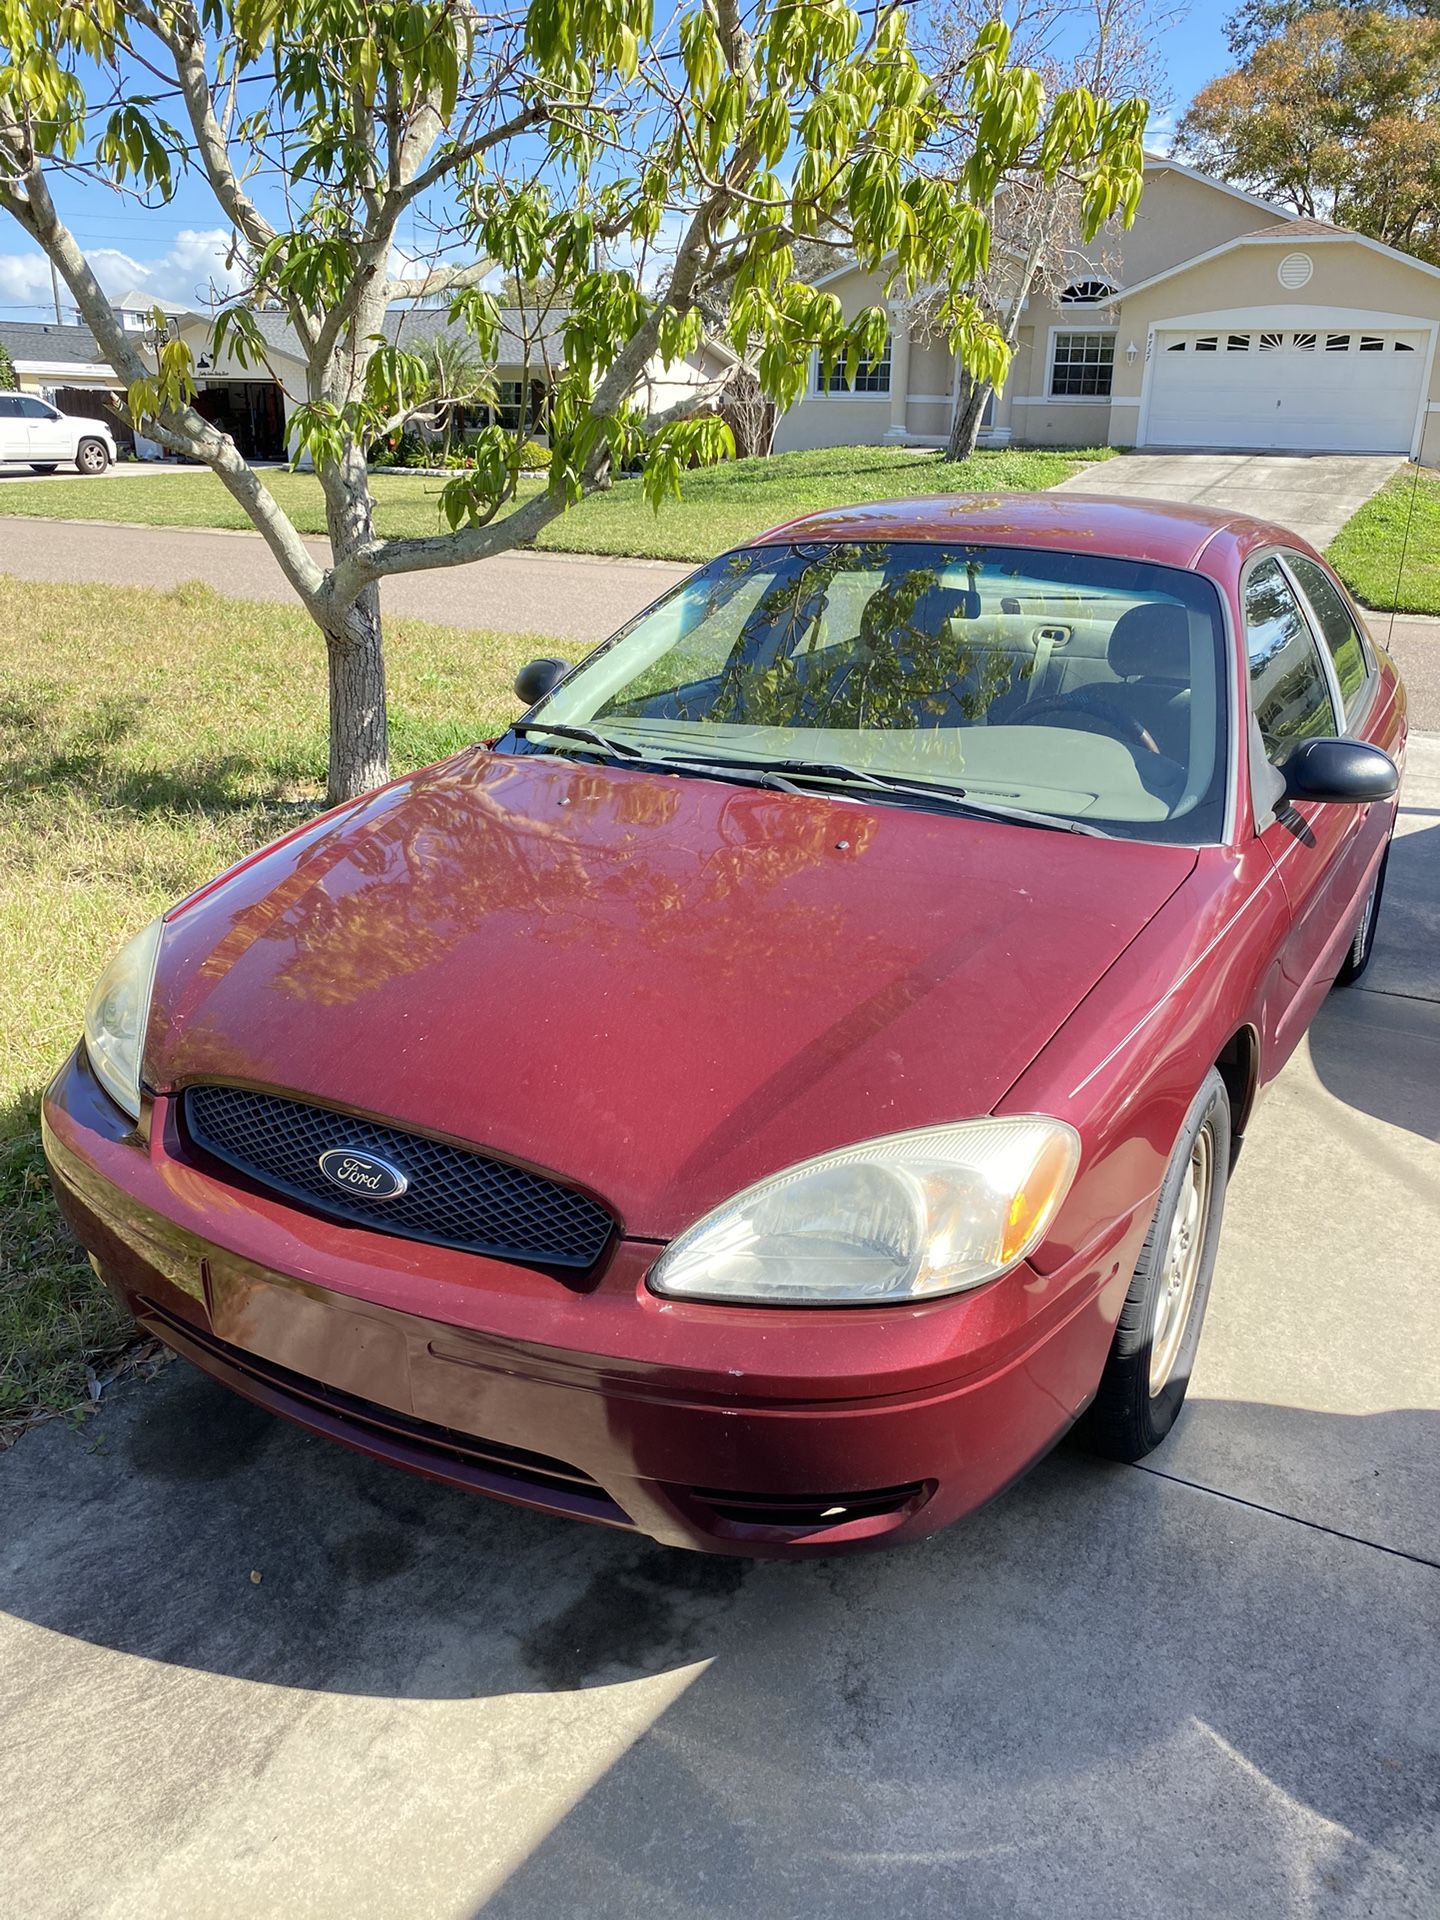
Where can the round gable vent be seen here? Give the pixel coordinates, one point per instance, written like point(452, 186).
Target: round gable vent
point(1295, 271)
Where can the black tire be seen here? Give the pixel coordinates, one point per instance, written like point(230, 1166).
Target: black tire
point(1362, 947)
point(92, 456)
point(1129, 1417)
point(44, 466)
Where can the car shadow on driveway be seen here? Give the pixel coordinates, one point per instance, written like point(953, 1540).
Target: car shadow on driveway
point(1107, 1691)
point(1376, 1046)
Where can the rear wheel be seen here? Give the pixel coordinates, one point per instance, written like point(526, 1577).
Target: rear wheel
point(92, 456)
point(1362, 947)
point(1146, 1376)
point(44, 466)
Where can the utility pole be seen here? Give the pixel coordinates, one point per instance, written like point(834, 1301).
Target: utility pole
point(55, 289)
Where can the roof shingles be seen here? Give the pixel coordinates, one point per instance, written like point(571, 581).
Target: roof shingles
point(32, 340)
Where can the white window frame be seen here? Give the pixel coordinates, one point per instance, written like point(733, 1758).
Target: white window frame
point(1052, 399)
point(1095, 302)
point(819, 391)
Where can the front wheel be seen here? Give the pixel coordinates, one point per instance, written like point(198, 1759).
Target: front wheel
point(1362, 947)
point(1147, 1373)
point(92, 456)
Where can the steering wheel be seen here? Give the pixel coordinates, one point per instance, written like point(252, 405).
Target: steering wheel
point(1087, 705)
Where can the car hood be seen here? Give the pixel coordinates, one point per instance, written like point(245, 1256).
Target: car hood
point(661, 988)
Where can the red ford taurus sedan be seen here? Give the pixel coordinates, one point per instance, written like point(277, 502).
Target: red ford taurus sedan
point(771, 1093)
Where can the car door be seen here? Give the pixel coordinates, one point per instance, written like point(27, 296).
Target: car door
point(48, 433)
point(1356, 684)
point(14, 437)
point(1312, 845)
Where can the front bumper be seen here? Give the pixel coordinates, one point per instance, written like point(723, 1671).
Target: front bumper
point(753, 1431)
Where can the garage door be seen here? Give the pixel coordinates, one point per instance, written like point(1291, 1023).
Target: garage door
point(1341, 392)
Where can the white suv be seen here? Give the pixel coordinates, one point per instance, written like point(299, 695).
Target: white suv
point(34, 432)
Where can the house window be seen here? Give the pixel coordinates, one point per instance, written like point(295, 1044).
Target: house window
point(872, 377)
point(1238, 343)
point(1337, 343)
point(1402, 346)
point(1271, 342)
point(1176, 346)
point(1207, 344)
point(1371, 343)
point(1303, 342)
point(1087, 293)
point(1082, 366)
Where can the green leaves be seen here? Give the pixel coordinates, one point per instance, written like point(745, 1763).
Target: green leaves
point(132, 147)
point(678, 446)
point(479, 313)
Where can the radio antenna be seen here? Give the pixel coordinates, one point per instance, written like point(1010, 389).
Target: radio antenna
point(1404, 550)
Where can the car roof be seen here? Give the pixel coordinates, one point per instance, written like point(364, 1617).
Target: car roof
point(1168, 533)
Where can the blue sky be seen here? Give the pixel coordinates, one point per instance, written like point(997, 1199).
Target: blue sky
point(177, 251)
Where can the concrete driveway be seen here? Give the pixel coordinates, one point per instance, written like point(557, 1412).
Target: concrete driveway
point(1315, 493)
point(243, 1672)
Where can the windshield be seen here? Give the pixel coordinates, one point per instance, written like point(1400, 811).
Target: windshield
point(1072, 686)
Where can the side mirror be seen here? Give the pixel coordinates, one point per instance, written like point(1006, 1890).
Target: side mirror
point(537, 677)
point(1346, 772)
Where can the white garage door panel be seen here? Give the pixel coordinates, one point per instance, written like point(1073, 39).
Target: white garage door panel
point(1343, 392)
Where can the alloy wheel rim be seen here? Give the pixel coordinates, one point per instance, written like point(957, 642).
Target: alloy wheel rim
point(1180, 1273)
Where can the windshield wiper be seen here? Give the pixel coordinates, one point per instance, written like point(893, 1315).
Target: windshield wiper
point(791, 771)
point(587, 736)
point(785, 774)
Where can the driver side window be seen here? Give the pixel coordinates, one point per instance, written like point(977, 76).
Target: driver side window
point(1289, 693)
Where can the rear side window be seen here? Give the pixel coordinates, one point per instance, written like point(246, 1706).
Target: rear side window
point(1289, 694)
point(9, 407)
point(1337, 629)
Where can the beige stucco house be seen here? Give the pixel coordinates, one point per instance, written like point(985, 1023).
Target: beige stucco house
point(1219, 320)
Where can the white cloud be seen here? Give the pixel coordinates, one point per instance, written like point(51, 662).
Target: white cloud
point(24, 279)
point(193, 271)
point(1160, 132)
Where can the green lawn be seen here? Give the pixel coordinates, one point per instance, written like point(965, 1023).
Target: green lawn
point(722, 505)
point(131, 769)
point(1367, 552)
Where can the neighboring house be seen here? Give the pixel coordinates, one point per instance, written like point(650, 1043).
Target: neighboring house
point(63, 365)
point(1219, 320)
point(254, 403)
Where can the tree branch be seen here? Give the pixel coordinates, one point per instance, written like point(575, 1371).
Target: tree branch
point(180, 31)
point(439, 280)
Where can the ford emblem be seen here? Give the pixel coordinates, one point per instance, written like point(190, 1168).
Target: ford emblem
point(363, 1173)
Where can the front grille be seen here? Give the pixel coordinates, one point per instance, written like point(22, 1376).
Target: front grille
point(455, 1198)
point(444, 1453)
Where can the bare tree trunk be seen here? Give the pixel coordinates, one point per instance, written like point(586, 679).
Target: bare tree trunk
point(965, 424)
point(354, 644)
point(359, 741)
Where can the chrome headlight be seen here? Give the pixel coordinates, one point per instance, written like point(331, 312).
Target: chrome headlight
point(906, 1217)
point(117, 1016)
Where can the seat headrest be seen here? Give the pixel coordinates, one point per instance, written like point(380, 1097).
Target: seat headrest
point(1151, 642)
